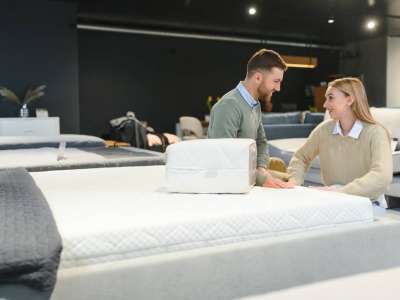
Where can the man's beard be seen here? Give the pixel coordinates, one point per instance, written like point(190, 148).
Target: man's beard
point(264, 95)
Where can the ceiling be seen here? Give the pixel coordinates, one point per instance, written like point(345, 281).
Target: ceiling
point(291, 20)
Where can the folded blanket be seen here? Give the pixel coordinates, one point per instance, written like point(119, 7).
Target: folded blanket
point(30, 245)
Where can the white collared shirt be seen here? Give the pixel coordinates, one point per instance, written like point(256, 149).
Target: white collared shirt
point(354, 132)
point(247, 96)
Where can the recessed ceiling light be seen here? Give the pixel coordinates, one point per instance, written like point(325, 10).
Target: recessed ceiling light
point(331, 20)
point(252, 11)
point(371, 24)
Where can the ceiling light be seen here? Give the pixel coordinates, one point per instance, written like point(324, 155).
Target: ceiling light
point(252, 11)
point(371, 25)
point(331, 20)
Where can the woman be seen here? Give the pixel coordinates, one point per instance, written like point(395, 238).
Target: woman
point(354, 150)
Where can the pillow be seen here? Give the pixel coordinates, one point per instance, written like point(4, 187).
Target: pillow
point(313, 118)
point(31, 142)
point(281, 118)
point(211, 166)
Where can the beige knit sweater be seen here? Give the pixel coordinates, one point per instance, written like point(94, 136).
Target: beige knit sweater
point(363, 166)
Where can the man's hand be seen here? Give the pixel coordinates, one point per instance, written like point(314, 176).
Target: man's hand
point(272, 182)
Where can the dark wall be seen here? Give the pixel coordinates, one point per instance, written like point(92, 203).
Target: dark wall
point(369, 61)
point(163, 78)
point(39, 46)
point(296, 79)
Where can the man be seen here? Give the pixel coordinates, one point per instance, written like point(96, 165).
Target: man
point(238, 113)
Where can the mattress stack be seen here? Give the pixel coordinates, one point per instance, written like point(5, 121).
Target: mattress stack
point(211, 166)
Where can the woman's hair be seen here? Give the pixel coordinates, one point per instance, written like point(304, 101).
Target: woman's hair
point(353, 87)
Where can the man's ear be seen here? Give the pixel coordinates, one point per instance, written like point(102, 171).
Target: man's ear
point(258, 76)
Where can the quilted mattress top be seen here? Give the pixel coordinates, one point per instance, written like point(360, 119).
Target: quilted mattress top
point(117, 213)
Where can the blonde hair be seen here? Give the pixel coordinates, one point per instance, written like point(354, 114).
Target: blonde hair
point(353, 87)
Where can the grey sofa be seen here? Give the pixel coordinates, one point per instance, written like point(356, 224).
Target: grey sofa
point(290, 125)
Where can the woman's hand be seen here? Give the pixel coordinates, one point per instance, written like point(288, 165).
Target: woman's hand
point(277, 184)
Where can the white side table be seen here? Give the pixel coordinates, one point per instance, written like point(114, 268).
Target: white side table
point(29, 126)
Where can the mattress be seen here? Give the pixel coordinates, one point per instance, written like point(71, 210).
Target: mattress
point(113, 214)
point(71, 140)
point(231, 167)
point(47, 158)
point(396, 162)
point(394, 187)
point(285, 148)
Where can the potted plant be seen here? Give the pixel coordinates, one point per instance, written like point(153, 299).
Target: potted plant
point(32, 93)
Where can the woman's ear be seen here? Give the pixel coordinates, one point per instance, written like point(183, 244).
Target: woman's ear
point(350, 100)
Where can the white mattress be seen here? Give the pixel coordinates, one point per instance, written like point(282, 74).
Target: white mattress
point(117, 213)
point(211, 166)
point(288, 147)
point(28, 158)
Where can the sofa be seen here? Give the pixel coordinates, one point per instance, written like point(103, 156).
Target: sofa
point(290, 125)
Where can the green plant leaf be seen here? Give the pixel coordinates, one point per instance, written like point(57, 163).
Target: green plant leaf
point(9, 95)
point(34, 96)
point(27, 94)
point(34, 93)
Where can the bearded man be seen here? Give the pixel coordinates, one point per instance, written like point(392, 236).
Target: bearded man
point(238, 113)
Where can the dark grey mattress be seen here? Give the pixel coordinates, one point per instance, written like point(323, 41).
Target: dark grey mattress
point(30, 245)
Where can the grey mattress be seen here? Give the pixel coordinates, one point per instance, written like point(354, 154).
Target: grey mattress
point(110, 157)
point(29, 239)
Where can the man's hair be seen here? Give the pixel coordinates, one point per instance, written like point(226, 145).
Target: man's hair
point(265, 59)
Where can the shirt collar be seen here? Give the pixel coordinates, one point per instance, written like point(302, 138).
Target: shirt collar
point(247, 96)
point(354, 132)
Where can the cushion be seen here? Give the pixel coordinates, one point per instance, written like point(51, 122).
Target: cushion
point(285, 131)
point(281, 118)
point(313, 117)
point(211, 166)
